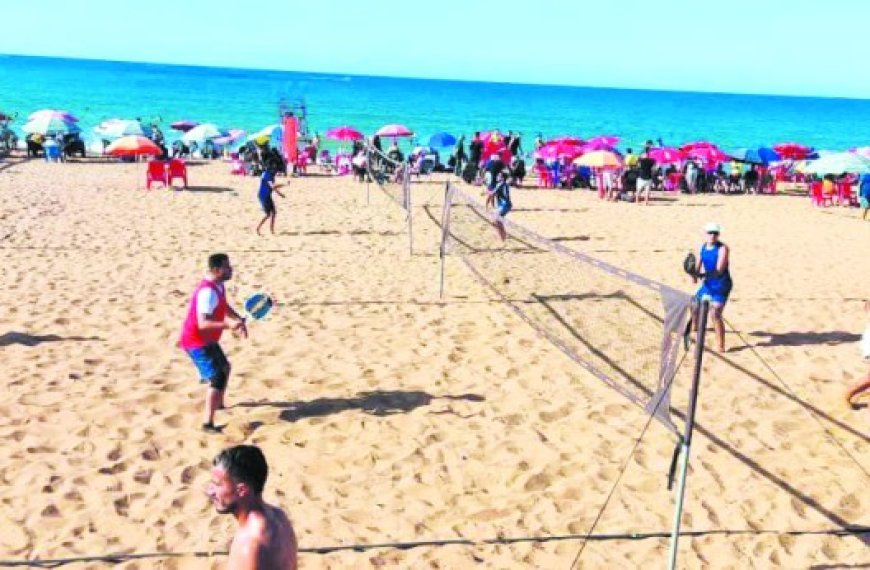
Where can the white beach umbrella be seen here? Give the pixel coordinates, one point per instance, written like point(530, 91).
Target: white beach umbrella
point(838, 163)
point(201, 133)
point(117, 128)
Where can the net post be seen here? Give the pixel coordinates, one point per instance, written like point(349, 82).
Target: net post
point(406, 181)
point(441, 250)
point(685, 444)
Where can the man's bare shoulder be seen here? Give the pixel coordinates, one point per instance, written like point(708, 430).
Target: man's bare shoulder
point(266, 541)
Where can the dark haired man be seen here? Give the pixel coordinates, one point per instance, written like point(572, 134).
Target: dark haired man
point(265, 537)
point(202, 329)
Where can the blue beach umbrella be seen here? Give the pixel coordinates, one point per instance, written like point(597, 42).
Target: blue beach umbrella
point(760, 155)
point(442, 140)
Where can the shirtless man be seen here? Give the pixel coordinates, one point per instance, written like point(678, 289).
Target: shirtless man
point(265, 537)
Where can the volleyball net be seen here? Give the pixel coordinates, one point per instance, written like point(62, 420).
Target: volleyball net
point(621, 327)
point(393, 178)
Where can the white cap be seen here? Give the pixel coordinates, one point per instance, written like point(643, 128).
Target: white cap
point(712, 228)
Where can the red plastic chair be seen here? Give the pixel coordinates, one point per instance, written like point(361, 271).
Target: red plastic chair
point(844, 192)
point(302, 163)
point(544, 178)
point(816, 196)
point(177, 169)
point(156, 173)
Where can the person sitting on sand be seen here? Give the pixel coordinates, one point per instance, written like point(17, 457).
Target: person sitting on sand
point(863, 386)
point(267, 186)
point(501, 195)
point(712, 268)
point(202, 330)
point(265, 538)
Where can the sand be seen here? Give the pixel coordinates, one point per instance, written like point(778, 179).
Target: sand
point(389, 416)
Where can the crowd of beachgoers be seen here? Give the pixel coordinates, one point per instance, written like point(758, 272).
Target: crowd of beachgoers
point(598, 163)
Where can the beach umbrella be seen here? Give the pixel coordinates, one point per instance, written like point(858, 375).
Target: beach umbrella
point(394, 131)
point(708, 154)
point(264, 135)
point(184, 125)
point(697, 144)
point(791, 150)
point(552, 151)
point(44, 124)
point(442, 140)
point(666, 155)
point(232, 136)
point(862, 151)
point(133, 145)
point(201, 133)
point(575, 141)
point(599, 159)
point(65, 116)
point(602, 141)
point(344, 133)
point(760, 155)
point(839, 163)
point(117, 128)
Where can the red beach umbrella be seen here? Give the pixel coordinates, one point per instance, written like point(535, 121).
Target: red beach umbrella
point(567, 140)
point(133, 146)
point(344, 133)
point(792, 150)
point(698, 144)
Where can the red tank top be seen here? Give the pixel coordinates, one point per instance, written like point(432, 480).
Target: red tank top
point(191, 335)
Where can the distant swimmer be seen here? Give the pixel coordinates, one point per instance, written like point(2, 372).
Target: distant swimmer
point(863, 386)
point(267, 186)
point(713, 270)
point(200, 335)
point(265, 538)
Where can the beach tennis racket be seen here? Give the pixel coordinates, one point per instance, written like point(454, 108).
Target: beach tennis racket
point(258, 306)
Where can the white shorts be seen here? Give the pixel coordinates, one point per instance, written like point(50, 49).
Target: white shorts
point(643, 184)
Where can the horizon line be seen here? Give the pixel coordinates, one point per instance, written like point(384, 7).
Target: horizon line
point(445, 79)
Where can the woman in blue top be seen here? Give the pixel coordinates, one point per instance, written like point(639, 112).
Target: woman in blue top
point(501, 195)
point(864, 194)
point(712, 269)
point(267, 186)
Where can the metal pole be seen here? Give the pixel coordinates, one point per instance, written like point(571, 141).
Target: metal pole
point(690, 427)
point(407, 183)
point(441, 250)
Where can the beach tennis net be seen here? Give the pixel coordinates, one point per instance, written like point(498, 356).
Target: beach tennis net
point(621, 327)
point(393, 178)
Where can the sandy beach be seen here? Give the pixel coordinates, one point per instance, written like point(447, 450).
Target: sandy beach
point(389, 415)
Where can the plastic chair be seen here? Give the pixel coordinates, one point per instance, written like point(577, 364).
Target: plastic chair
point(237, 167)
point(156, 173)
point(52, 153)
point(177, 169)
point(544, 180)
point(844, 193)
point(325, 161)
point(302, 163)
point(816, 196)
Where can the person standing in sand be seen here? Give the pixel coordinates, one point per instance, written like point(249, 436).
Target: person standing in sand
point(202, 329)
point(267, 186)
point(712, 268)
point(265, 538)
point(863, 386)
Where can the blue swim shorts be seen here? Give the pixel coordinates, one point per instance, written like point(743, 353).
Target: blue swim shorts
point(504, 207)
point(212, 365)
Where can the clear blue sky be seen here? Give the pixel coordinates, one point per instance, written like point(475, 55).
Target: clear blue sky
point(793, 47)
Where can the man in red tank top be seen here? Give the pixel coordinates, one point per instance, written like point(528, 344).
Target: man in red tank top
point(202, 329)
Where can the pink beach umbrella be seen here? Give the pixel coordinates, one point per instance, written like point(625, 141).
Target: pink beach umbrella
point(567, 140)
point(602, 141)
point(697, 144)
point(344, 134)
point(232, 136)
point(552, 151)
point(666, 155)
point(394, 131)
point(708, 154)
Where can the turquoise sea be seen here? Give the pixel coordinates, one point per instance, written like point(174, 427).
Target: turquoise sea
point(249, 99)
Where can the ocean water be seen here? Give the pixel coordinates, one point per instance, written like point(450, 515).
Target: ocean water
point(250, 99)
